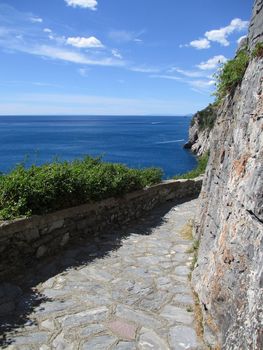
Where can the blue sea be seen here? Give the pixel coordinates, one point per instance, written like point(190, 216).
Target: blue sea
point(135, 141)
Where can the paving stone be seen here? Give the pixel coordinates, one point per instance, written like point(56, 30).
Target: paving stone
point(60, 343)
point(83, 317)
point(103, 342)
point(92, 329)
point(182, 337)
point(177, 314)
point(49, 325)
point(137, 316)
point(32, 338)
point(125, 346)
point(122, 329)
point(150, 340)
point(181, 270)
point(183, 299)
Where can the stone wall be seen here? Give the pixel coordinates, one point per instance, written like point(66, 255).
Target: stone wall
point(25, 240)
point(229, 270)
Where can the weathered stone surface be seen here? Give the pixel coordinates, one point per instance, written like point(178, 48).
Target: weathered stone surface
point(137, 316)
point(230, 223)
point(80, 318)
point(177, 314)
point(150, 340)
point(103, 342)
point(182, 338)
point(122, 329)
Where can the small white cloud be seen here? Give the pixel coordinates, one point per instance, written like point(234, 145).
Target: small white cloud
point(241, 38)
point(221, 35)
point(47, 30)
point(200, 44)
point(89, 4)
point(116, 54)
point(187, 73)
point(164, 76)
point(83, 72)
point(36, 19)
point(124, 36)
point(81, 42)
point(202, 83)
point(212, 63)
point(144, 69)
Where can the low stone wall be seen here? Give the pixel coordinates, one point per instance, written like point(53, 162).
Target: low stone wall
point(24, 240)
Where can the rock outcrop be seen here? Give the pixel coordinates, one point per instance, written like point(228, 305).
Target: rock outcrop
point(228, 275)
point(200, 131)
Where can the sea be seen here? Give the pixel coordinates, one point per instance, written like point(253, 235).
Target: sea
point(137, 141)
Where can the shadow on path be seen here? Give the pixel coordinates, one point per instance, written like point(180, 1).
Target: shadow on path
point(18, 295)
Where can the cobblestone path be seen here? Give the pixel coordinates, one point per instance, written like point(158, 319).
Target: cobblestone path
point(125, 296)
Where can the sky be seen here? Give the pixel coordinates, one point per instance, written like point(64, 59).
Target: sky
point(115, 57)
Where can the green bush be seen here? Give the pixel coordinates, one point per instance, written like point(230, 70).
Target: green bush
point(258, 50)
point(231, 74)
point(59, 185)
point(199, 170)
point(206, 118)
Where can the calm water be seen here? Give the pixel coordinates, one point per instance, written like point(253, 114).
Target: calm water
point(135, 141)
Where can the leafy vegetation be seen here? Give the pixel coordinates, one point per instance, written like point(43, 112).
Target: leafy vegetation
point(199, 170)
point(50, 187)
point(258, 50)
point(206, 117)
point(231, 74)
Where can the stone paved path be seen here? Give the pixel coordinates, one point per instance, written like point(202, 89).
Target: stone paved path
point(137, 296)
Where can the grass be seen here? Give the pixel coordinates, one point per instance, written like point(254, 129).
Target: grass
point(187, 231)
point(59, 185)
point(231, 74)
point(258, 51)
point(199, 170)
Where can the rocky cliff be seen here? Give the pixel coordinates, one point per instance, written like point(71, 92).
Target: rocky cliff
point(200, 131)
point(228, 275)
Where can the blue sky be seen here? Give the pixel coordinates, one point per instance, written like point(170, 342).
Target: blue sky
point(133, 57)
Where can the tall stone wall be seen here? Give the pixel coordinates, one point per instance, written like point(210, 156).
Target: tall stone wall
point(26, 240)
point(228, 276)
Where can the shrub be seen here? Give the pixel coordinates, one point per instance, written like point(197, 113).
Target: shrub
point(258, 50)
point(206, 118)
point(199, 170)
point(231, 74)
point(59, 185)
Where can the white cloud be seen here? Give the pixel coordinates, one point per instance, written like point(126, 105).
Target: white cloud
point(212, 63)
point(200, 44)
point(164, 76)
point(90, 4)
point(124, 36)
point(116, 53)
point(144, 69)
point(71, 56)
point(241, 38)
point(82, 42)
point(36, 19)
point(221, 35)
point(187, 73)
point(47, 30)
point(202, 84)
point(83, 72)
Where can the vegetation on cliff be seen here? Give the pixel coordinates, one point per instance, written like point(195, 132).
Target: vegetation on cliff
point(199, 170)
point(59, 185)
point(205, 118)
point(258, 51)
point(231, 74)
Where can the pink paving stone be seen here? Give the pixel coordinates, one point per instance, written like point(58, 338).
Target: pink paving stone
point(122, 329)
